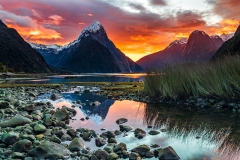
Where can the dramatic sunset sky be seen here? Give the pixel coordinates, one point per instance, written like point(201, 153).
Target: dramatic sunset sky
point(137, 27)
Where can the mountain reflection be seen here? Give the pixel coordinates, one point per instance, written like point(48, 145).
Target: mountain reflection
point(208, 126)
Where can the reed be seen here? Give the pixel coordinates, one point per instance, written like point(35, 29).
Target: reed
point(219, 78)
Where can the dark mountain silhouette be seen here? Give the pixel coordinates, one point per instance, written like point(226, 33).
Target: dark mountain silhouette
point(230, 47)
point(17, 54)
point(198, 48)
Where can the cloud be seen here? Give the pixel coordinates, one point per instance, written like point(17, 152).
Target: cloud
point(158, 2)
point(36, 14)
point(228, 9)
point(28, 28)
point(56, 19)
point(90, 15)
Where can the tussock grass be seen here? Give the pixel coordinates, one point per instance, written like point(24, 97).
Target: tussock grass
point(220, 78)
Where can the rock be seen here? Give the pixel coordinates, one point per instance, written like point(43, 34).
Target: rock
point(117, 132)
point(61, 114)
point(17, 155)
point(22, 146)
point(39, 136)
point(112, 156)
point(108, 134)
point(76, 92)
point(54, 138)
point(39, 128)
point(95, 104)
point(120, 147)
point(112, 140)
point(66, 137)
point(86, 135)
point(100, 142)
point(108, 149)
point(125, 128)
point(153, 132)
point(154, 146)
point(28, 137)
point(18, 120)
point(76, 145)
point(72, 132)
point(29, 107)
point(139, 133)
point(47, 121)
point(149, 154)
point(125, 154)
point(141, 150)
point(101, 154)
point(9, 138)
point(134, 156)
point(121, 120)
point(55, 97)
point(93, 157)
point(4, 104)
point(49, 150)
point(166, 153)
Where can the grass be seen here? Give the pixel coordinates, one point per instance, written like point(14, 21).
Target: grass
point(220, 78)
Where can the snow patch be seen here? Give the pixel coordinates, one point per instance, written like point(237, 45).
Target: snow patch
point(178, 42)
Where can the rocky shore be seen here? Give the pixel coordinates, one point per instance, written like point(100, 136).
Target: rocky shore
point(36, 130)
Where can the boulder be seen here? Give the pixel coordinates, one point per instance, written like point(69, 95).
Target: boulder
point(121, 120)
point(112, 156)
point(101, 154)
point(153, 132)
point(167, 153)
point(100, 142)
point(61, 114)
point(39, 128)
point(120, 147)
point(76, 145)
point(49, 150)
point(55, 97)
point(139, 133)
point(125, 128)
point(17, 120)
point(134, 156)
point(141, 150)
point(9, 138)
point(22, 146)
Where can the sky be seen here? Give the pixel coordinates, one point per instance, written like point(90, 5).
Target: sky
point(137, 27)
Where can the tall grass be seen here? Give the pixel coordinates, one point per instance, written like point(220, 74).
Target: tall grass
point(220, 78)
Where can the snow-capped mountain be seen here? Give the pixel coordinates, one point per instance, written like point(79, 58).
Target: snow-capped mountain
point(226, 37)
point(42, 46)
point(93, 39)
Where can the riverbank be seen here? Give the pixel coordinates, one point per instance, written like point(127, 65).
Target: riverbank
point(35, 129)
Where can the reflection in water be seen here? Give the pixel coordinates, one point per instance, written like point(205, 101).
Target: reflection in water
point(193, 132)
point(114, 77)
point(207, 125)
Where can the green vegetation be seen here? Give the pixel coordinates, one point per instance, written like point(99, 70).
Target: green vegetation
point(220, 78)
point(4, 68)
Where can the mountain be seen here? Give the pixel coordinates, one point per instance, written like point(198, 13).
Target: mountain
point(198, 47)
point(230, 47)
point(93, 39)
point(169, 55)
point(18, 54)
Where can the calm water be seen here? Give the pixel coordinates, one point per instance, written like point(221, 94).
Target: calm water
point(218, 131)
point(114, 77)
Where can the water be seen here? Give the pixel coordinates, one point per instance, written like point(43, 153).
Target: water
point(194, 133)
point(98, 77)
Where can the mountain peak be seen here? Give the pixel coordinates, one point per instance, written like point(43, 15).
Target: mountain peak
point(93, 28)
point(2, 24)
point(182, 41)
point(198, 32)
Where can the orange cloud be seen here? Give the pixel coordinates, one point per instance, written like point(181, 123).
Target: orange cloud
point(90, 15)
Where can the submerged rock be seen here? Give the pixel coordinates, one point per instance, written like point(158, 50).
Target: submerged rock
point(139, 133)
point(141, 150)
point(153, 132)
point(121, 120)
point(166, 154)
point(125, 128)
